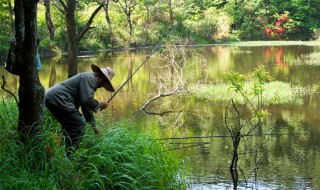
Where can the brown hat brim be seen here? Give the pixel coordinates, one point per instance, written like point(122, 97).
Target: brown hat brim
point(107, 84)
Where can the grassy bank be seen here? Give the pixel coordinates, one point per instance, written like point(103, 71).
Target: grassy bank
point(276, 92)
point(275, 43)
point(120, 158)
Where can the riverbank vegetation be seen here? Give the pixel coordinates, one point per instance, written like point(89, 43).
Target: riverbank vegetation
point(140, 23)
point(120, 158)
point(276, 92)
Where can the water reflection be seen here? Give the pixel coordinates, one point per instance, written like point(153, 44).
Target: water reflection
point(53, 76)
point(288, 161)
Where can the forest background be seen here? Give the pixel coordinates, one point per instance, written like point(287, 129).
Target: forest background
point(138, 23)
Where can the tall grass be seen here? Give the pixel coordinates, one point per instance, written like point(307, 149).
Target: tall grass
point(120, 158)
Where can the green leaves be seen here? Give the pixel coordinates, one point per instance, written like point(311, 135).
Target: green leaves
point(259, 77)
point(236, 80)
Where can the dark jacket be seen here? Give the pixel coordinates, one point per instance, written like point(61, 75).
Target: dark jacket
point(77, 91)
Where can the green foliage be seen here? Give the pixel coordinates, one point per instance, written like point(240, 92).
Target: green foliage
point(4, 48)
point(260, 77)
point(5, 29)
point(251, 16)
point(236, 80)
point(242, 117)
point(207, 22)
point(251, 29)
point(274, 93)
point(204, 25)
point(119, 158)
point(126, 160)
point(7, 109)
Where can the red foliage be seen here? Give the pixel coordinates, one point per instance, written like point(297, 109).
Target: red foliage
point(278, 23)
point(278, 30)
point(278, 54)
point(268, 32)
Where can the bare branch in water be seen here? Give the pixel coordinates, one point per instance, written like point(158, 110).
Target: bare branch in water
point(8, 91)
point(160, 113)
point(172, 76)
point(175, 92)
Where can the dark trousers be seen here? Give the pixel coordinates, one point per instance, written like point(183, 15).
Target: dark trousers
point(73, 125)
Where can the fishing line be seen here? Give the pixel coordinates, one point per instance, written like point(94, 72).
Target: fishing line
point(226, 136)
point(191, 146)
point(153, 51)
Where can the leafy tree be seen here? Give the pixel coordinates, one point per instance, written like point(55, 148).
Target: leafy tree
point(106, 10)
point(6, 17)
point(7, 25)
point(69, 10)
point(250, 17)
point(242, 118)
point(49, 22)
point(128, 7)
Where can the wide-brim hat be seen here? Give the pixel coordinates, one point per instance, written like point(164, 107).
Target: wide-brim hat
point(108, 73)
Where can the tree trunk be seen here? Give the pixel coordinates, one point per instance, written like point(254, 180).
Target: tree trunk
point(73, 44)
point(50, 25)
point(128, 8)
point(236, 141)
point(11, 16)
point(235, 178)
point(31, 92)
point(106, 11)
point(170, 12)
point(72, 37)
point(129, 23)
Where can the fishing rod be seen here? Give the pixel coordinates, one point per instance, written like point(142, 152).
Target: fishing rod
point(147, 58)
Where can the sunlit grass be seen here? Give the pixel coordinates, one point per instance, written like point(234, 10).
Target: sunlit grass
point(120, 158)
point(310, 59)
point(275, 92)
point(276, 43)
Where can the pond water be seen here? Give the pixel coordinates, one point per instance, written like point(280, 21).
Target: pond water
point(284, 153)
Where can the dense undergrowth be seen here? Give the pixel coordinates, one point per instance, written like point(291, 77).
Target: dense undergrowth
point(120, 158)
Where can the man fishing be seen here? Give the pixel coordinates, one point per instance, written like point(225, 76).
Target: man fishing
point(64, 100)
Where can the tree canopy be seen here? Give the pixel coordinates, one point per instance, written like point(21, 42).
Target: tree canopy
point(146, 22)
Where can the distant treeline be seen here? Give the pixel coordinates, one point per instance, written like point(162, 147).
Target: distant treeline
point(124, 23)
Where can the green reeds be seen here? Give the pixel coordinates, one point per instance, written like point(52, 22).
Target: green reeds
point(120, 158)
point(275, 92)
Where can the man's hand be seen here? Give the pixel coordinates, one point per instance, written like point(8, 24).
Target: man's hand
point(103, 105)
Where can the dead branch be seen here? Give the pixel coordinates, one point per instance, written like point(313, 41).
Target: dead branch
point(62, 9)
point(171, 77)
point(65, 7)
point(161, 113)
point(89, 22)
point(8, 91)
point(175, 92)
